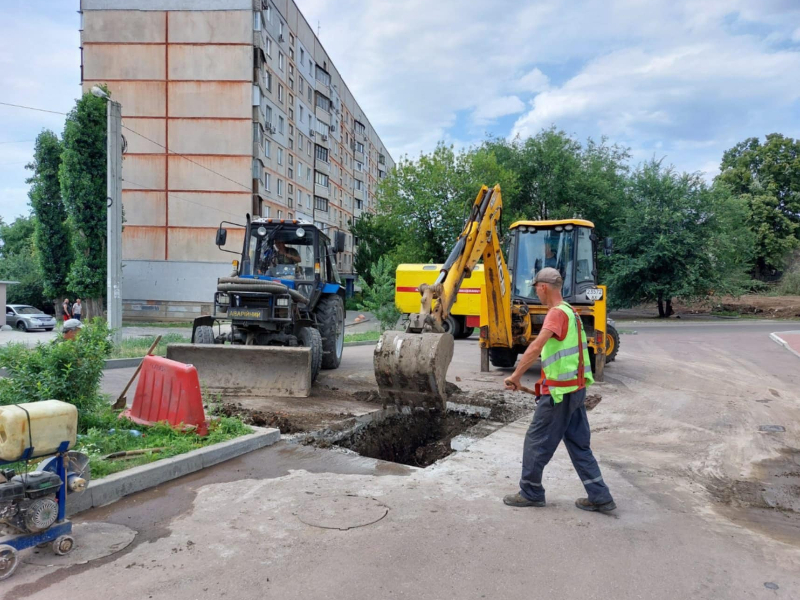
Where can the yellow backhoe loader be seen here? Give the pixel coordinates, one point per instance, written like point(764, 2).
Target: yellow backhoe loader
point(411, 366)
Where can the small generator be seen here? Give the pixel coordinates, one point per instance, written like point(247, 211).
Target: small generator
point(33, 503)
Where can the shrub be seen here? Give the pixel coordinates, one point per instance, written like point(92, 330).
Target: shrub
point(66, 370)
point(789, 284)
point(379, 296)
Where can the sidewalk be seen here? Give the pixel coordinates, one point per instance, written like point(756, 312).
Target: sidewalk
point(788, 339)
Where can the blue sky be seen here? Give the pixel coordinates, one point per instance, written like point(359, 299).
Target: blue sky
point(681, 79)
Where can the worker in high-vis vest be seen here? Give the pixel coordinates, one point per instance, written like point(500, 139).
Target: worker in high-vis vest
point(560, 410)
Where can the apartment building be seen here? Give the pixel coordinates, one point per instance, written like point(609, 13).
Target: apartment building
point(229, 107)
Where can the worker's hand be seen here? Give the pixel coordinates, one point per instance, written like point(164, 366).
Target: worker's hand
point(512, 383)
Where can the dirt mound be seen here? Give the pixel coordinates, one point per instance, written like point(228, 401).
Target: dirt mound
point(287, 423)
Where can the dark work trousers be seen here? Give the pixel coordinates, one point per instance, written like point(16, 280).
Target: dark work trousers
point(551, 423)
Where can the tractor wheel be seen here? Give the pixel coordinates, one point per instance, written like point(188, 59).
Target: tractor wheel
point(451, 326)
point(330, 320)
point(9, 559)
point(503, 358)
point(204, 335)
point(612, 343)
point(311, 338)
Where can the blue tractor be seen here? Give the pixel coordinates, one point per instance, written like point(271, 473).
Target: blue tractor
point(284, 291)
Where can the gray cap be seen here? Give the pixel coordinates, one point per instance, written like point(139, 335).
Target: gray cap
point(548, 275)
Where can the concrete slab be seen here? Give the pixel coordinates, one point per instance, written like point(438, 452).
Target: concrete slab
point(788, 339)
point(104, 491)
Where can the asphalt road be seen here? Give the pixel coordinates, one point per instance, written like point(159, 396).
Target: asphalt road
point(708, 503)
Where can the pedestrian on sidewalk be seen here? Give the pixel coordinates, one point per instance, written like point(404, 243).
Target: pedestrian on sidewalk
point(77, 309)
point(560, 410)
point(65, 309)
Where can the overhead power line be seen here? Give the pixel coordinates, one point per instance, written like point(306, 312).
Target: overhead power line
point(54, 112)
point(176, 196)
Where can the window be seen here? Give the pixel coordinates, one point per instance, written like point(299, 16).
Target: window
point(291, 187)
point(280, 60)
point(299, 142)
point(308, 148)
point(268, 114)
point(269, 81)
point(267, 182)
point(358, 204)
point(291, 159)
point(321, 179)
point(321, 204)
point(359, 184)
point(322, 128)
point(291, 71)
point(280, 156)
point(291, 176)
point(280, 92)
point(323, 102)
point(359, 166)
point(257, 21)
point(322, 153)
point(269, 47)
point(301, 86)
point(280, 188)
point(299, 171)
point(267, 148)
point(280, 214)
point(360, 147)
point(302, 57)
point(359, 127)
point(291, 114)
point(268, 12)
point(309, 94)
point(280, 124)
point(280, 28)
point(323, 76)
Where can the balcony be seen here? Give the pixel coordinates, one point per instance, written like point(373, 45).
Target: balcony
point(259, 77)
point(322, 191)
point(359, 156)
point(358, 195)
point(323, 116)
point(322, 166)
point(260, 40)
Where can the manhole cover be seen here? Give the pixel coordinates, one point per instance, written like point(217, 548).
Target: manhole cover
point(92, 541)
point(342, 512)
point(772, 428)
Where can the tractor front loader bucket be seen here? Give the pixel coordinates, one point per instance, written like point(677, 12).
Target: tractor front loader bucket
point(254, 371)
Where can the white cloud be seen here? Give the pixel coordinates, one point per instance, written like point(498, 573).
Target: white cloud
point(495, 108)
point(534, 82)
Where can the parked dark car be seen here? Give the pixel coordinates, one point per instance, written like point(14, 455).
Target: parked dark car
point(25, 318)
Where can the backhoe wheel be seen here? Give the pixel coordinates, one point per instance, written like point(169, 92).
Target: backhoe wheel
point(612, 343)
point(503, 358)
point(466, 332)
point(451, 326)
point(311, 338)
point(8, 561)
point(330, 320)
point(204, 335)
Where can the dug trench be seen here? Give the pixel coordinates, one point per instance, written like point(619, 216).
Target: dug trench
point(371, 428)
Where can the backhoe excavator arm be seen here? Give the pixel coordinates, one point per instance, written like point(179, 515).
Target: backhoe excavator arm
point(478, 240)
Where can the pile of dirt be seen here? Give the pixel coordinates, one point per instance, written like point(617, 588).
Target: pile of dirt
point(287, 423)
point(768, 307)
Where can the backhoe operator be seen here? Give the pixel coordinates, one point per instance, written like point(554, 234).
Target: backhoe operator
point(560, 410)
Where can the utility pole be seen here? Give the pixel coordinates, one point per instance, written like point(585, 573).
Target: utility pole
point(114, 219)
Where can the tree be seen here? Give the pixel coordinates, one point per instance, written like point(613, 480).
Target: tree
point(676, 237)
point(19, 262)
point(52, 235)
point(560, 178)
point(424, 203)
point(83, 186)
point(768, 176)
point(379, 296)
point(377, 236)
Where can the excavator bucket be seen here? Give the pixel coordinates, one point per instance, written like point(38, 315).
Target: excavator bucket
point(232, 371)
point(411, 367)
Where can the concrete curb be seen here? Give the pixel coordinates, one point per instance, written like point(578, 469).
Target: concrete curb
point(775, 337)
point(114, 487)
point(122, 363)
point(365, 343)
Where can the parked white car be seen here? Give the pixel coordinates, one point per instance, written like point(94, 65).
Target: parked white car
point(25, 318)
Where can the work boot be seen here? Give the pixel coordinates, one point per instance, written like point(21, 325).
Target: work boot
point(584, 504)
point(520, 501)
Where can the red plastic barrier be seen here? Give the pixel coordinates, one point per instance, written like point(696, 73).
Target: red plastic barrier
point(168, 391)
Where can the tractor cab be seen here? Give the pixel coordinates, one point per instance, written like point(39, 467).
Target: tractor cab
point(568, 246)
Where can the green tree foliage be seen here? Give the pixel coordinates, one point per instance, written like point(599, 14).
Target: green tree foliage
point(83, 187)
point(52, 234)
point(676, 237)
point(18, 262)
point(560, 178)
point(425, 202)
point(767, 175)
point(66, 370)
point(379, 296)
point(377, 237)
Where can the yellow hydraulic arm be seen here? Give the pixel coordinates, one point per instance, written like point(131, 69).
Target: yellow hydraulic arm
point(478, 240)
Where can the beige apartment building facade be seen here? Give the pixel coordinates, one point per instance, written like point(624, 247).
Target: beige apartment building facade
point(229, 107)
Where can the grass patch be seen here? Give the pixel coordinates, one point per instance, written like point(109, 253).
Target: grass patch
point(367, 336)
point(183, 325)
point(138, 346)
point(99, 441)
